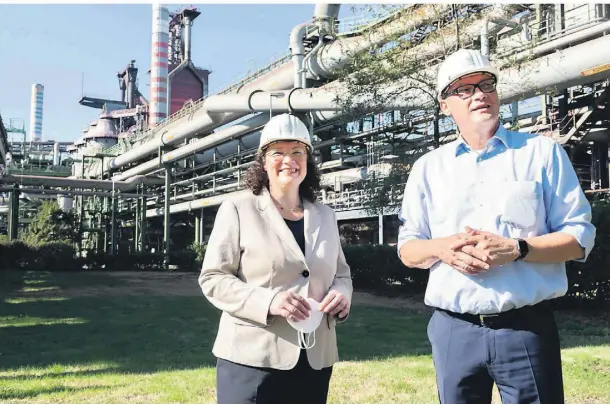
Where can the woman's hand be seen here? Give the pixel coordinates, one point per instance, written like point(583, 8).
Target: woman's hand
point(335, 303)
point(290, 305)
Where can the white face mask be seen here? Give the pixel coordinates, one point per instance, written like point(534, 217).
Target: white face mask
point(308, 325)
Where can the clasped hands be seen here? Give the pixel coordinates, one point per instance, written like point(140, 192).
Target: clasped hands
point(291, 305)
point(476, 251)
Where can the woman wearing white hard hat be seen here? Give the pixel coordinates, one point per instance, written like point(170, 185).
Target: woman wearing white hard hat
point(275, 268)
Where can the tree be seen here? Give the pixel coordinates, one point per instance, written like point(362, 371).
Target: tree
point(403, 69)
point(51, 224)
point(383, 191)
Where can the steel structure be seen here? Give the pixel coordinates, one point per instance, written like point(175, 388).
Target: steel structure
point(557, 55)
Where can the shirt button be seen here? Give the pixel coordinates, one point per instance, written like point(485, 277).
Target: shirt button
point(305, 273)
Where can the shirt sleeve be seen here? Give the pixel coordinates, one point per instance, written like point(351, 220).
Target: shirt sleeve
point(568, 210)
point(413, 213)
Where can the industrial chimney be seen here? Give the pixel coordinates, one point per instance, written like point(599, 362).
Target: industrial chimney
point(158, 66)
point(36, 112)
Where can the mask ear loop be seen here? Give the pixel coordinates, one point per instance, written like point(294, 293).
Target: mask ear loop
point(309, 342)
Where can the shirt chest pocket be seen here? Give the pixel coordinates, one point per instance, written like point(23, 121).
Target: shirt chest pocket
point(518, 203)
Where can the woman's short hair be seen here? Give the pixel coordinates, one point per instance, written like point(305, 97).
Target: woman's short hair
point(256, 178)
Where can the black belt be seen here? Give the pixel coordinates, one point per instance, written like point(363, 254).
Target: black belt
point(503, 319)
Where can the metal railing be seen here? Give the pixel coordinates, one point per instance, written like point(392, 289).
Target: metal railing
point(546, 30)
point(355, 199)
point(359, 23)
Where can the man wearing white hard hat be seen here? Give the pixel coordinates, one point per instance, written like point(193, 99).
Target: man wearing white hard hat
point(275, 268)
point(494, 215)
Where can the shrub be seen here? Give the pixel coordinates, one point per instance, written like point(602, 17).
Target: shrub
point(589, 282)
point(378, 268)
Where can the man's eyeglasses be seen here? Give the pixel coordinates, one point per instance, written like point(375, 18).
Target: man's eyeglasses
point(279, 155)
point(467, 90)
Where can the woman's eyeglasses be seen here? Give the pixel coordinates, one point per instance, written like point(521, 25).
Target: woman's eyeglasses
point(278, 155)
point(467, 90)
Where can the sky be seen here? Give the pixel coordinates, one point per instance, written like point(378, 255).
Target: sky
point(59, 45)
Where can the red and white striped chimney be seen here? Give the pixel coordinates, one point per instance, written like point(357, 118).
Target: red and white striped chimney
point(158, 69)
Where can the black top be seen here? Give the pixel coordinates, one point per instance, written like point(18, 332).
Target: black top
point(298, 230)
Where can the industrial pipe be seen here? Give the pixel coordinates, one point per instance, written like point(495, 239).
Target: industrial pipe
point(194, 205)
point(297, 48)
point(333, 56)
point(71, 192)
point(485, 31)
point(209, 141)
point(560, 70)
point(324, 14)
point(508, 89)
point(216, 173)
point(561, 42)
point(49, 181)
point(584, 63)
point(206, 191)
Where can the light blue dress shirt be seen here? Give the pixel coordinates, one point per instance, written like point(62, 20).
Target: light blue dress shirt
point(520, 185)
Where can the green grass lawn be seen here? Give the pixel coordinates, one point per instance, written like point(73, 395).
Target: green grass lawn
point(157, 348)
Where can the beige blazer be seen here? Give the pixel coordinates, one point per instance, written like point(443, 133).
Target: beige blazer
point(251, 256)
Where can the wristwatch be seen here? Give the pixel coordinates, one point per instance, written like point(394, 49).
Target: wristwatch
point(523, 248)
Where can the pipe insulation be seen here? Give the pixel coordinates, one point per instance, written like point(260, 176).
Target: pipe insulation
point(580, 64)
point(209, 141)
point(48, 181)
point(54, 192)
point(514, 83)
point(557, 71)
point(329, 58)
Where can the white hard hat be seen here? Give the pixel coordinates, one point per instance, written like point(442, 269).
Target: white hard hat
point(284, 127)
point(462, 63)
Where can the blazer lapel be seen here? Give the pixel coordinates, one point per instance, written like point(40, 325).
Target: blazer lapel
point(277, 224)
point(312, 227)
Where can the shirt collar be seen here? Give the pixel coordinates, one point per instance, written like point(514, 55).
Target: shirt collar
point(501, 135)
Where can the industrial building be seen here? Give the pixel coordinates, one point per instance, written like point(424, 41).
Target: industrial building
point(149, 174)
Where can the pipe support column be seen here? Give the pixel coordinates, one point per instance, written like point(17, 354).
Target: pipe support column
point(13, 214)
point(166, 223)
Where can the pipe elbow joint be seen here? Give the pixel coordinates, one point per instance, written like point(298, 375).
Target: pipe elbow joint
point(296, 37)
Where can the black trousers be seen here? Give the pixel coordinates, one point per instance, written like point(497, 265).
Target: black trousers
point(240, 384)
point(520, 352)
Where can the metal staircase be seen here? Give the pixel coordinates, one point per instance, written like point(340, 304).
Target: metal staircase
point(574, 128)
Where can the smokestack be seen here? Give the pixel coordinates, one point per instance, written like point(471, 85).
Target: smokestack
point(158, 69)
point(36, 112)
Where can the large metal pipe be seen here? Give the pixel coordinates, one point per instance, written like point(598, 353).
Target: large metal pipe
point(52, 192)
point(216, 173)
point(584, 63)
point(297, 48)
point(329, 58)
point(48, 181)
point(209, 141)
point(56, 154)
point(560, 70)
point(509, 90)
point(324, 14)
point(194, 205)
point(562, 42)
point(235, 185)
